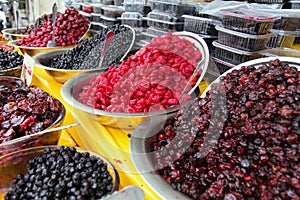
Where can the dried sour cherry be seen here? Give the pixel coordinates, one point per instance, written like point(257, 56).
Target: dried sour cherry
point(25, 111)
point(150, 80)
point(62, 173)
point(257, 153)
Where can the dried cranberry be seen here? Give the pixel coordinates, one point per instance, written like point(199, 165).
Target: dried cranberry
point(256, 156)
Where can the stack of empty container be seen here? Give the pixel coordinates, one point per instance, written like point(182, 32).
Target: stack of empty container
point(204, 25)
point(166, 16)
point(135, 11)
point(240, 38)
point(106, 13)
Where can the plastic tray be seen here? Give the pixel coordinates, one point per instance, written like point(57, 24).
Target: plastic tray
point(168, 17)
point(135, 1)
point(281, 51)
point(98, 8)
point(172, 7)
point(242, 41)
point(112, 11)
point(144, 9)
point(289, 18)
point(248, 21)
point(175, 26)
point(291, 5)
point(222, 65)
point(200, 25)
point(133, 19)
point(282, 38)
point(156, 31)
point(268, 1)
point(108, 21)
point(233, 55)
point(96, 17)
point(107, 2)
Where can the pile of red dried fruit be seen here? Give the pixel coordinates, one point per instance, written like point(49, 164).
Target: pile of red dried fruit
point(255, 156)
point(38, 23)
point(150, 80)
point(70, 27)
point(24, 111)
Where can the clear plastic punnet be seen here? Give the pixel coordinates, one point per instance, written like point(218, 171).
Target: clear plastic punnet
point(248, 21)
point(281, 51)
point(200, 25)
point(173, 26)
point(175, 7)
point(133, 19)
point(282, 38)
point(222, 66)
point(244, 41)
point(233, 55)
point(141, 8)
point(168, 17)
point(112, 11)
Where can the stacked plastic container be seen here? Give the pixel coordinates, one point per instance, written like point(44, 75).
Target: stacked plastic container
point(285, 28)
point(106, 13)
point(135, 10)
point(204, 25)
point(166, 16)
point(241, 36)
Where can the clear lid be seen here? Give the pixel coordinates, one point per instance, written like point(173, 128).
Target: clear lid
point(212, 21)
point(250, 15)
point(96, 14)
point(243, 35)
point(281, 51)
point(174, 2)
point(282, 12)
point(97, 5)
point(112, 8)
point(135, 2)
point(286, 33)
point(234, 50)
point(109, 18)
point(162, 21)
point(164, 16)
point(131, 15)
point(222, 62)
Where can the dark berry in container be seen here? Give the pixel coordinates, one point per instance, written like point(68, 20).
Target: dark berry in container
point(248, 21)
point(233, 55)
point(243, 41)
point(10, 63)
point(57, 172)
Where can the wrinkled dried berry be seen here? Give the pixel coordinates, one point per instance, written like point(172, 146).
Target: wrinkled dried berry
point(256, 156)
point(70, 27)
point(87, 54)
point(150, 80)
point(55, 175)
point(25, 111)
point(10, 60)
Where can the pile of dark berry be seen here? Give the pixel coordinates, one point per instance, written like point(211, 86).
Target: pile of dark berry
point(256, 154)
point(9, 59)
point(70, 28)
point(24, 111)
point(150, 80)
point(87, 54)
point(38, 23)
point(63, 173)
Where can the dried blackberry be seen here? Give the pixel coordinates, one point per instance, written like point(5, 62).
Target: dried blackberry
point(9, 60)
point(62, 173)
point(87, 54)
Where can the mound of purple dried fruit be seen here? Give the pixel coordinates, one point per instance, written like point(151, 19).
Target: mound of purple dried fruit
point(24, 111)
point(255, 156)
